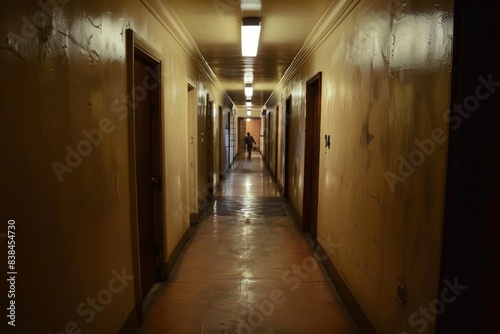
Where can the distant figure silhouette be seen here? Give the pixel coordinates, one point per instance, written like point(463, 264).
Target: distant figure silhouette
point(249, 141)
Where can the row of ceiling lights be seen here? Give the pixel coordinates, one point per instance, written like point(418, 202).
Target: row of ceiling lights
point(250, 34)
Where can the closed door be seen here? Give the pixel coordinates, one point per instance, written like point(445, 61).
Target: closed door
point(210, 145)
point(312, 151)
point(286, 163)
point(148, 165)
point(242, 126)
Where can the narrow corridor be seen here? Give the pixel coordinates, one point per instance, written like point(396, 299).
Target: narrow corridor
point(247, 269)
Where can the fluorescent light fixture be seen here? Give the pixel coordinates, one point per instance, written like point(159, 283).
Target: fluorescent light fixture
point(249, 113)
point(248, 119)
point(251, 5)
point(248, 76)
point(249, 103)
point(250, 34)
point(248, 90)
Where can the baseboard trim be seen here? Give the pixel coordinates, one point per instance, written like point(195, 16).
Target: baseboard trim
point(296, 217)
point(352, 304)
point(134, 320)
point(178, 249)
point(194, 217)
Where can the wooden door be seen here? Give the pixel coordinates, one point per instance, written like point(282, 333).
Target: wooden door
point(275, 138)
point(242, 130)
point(148, 170)
point(267, 138)
point(470, 253)
point(209, 147)
point(312, 151)
point(286, 163)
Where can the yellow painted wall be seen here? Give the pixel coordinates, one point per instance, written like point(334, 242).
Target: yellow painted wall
point(63, 73)
point(386, 89)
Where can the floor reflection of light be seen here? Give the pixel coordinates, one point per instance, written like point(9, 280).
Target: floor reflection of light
point(247, 274)
point(247, 205)
point(247, 230)
point(248, 185)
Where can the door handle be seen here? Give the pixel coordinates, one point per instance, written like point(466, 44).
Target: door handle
point(155, 180)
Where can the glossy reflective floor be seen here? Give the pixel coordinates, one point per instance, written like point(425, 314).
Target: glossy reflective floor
point(247, 269)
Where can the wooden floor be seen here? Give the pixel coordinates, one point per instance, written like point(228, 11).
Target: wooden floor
point(247, 269)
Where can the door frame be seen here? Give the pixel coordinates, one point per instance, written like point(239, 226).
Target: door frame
point(312, 155)
point(134, 44)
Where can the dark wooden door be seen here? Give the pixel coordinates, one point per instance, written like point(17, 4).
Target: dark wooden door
point(286, 163)
point(471, 252)
point(267, 138)
point(275, 138)
point(242, 130)
point(147, 178)
point(209, 147)
point(312, 150)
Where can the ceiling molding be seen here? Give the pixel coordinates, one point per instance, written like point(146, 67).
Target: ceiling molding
point(333, 17)
point(162, 11)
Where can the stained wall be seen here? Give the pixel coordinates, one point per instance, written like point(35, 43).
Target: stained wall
point(64, 75)
point(386, 81)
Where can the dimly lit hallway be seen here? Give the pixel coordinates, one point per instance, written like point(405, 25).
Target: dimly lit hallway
point(376, 118)
point(247, 269)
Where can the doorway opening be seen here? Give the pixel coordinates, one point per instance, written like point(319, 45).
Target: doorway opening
point(311, 157)
point(252, 125)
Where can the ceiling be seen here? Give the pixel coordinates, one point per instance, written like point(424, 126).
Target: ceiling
point(215, 27)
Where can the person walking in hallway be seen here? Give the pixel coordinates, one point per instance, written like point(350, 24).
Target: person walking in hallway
point(249, 141)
